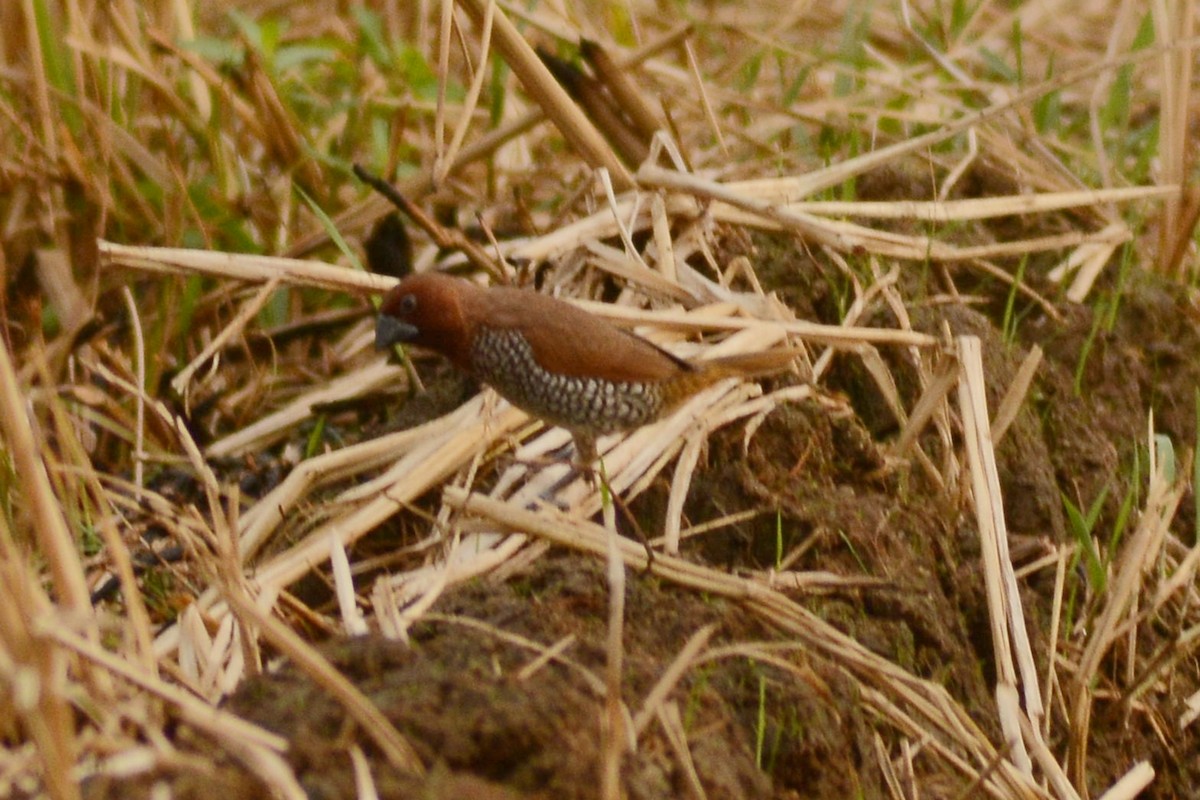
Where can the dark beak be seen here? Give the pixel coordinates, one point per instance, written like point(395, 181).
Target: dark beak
point(390, 331)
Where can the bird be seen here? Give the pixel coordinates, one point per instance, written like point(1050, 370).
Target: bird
point(552, 359)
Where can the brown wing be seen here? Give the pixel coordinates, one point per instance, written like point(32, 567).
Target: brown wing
point(570, 341)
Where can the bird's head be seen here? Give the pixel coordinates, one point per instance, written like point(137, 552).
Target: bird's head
point(427, 310)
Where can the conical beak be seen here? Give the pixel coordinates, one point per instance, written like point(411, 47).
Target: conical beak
point(390, 331)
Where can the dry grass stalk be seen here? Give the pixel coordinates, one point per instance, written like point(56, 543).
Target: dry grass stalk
point(547, 92)
point(1191, 712)
point(364, 784)
point(685, 466)
point(697, 321)
point(671, 676)
point(1174, 24)
point(1052, 688)
point(283, 132)
point(445, 156)
point(352, 619)
point(705, 102)
point(54, 539)
point(446, 28)
point(606, 186)
point(139, 431)
point(975, 208)
point(1009, 635)
point(665, 260)
point(1131, 783)
point(549, 654)
point(735, 207)
point(624, 90)
point(886, 767)
point(1014, 396)
point(61, 290)
point(1089, 259)
point(34, 692)
point(1182, 581)
point(676, 732)
point(240, 266)
point(1046, 761)
point(616, 735)
point(931, 400)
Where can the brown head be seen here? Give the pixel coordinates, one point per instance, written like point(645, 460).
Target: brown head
point(432, 311)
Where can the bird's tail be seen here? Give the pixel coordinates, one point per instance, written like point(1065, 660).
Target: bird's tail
point(713, 370)
point(751, 365)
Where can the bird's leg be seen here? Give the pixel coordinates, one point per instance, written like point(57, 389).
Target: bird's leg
point(586, 455)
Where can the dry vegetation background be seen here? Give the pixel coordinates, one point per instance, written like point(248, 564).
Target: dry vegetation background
point(953, 555)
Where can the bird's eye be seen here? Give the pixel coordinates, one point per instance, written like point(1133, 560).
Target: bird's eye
point(408, 304)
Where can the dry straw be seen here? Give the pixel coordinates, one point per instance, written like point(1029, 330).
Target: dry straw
point(714, 173)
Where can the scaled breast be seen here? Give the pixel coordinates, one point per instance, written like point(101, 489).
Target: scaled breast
point(504, 359)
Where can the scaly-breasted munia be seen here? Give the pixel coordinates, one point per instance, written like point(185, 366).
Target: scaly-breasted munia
point(552, 359)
